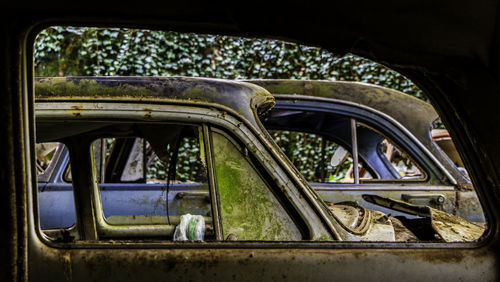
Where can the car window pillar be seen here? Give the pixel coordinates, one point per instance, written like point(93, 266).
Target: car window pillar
point(82, 177)
point(207, 146)
point(354, 138)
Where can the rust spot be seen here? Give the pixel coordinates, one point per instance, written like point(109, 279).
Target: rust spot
point(76, 110)
point(147, 115)
point(147, 109)
point(440, 256)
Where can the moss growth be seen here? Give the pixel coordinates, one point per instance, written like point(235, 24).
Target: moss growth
point(323, 238)
point(395, 103)
point(249, 210)
point(60, 86)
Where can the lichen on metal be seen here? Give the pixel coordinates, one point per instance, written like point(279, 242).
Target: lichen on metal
point(249, 210)
point(406, 109)
point(245, 98)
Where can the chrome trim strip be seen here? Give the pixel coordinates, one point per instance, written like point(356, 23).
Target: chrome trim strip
point(379, 187)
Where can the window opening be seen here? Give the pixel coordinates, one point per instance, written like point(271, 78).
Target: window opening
point(400, 164)
point(319, 159)
point(396, 162)
point(154, 179)
point(56, 206)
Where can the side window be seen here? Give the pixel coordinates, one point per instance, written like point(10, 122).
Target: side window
point(44, 155)
point(318, 158)
point(386, 156)
point(400, 161)
point(154, 178)
point(56, 206)
point(336, 148)
point(248, 208)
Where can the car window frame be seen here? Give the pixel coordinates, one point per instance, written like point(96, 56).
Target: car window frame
point(404, 138)
point(231, 122)
point(110, 231)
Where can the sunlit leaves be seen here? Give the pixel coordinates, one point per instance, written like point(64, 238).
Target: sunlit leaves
point(95, 51)
point(107, 52)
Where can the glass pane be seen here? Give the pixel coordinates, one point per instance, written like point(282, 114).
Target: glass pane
point(134, 167)
point(385, 157)
point(248, 209)
point(44, 154)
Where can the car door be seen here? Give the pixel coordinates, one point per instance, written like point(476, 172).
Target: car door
point(250, 199)
point(336, 136)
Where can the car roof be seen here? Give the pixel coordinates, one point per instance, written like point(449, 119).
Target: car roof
point(244, 98)
point(413, 114)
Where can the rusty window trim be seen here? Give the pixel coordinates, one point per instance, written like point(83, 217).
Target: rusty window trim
point(304, 245)
point(376, 186)
point(214, 196)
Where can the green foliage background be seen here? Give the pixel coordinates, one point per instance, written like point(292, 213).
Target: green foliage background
point(71, 51)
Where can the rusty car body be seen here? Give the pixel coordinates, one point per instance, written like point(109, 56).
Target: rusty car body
point(460, 74)
point(254, 194)
point(233, 156)
point(313, 107)
point(326, 108)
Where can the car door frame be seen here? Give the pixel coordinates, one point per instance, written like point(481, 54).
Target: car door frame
point(208, 114)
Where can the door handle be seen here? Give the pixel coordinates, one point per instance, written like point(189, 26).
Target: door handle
point(193, 195)
point(433, 200)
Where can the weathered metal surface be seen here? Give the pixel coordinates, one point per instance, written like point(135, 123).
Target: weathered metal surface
point(368, 225)
point(245, 98)
point(256, 261)
point(248, 208)
point(450, 228)
point(413, 114)
point(117, 260)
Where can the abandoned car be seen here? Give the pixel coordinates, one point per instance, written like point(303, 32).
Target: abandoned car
point(141, 155)
point(392, 142)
